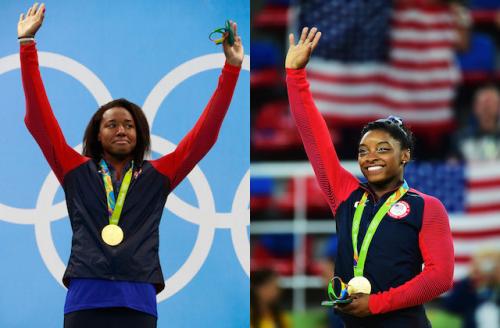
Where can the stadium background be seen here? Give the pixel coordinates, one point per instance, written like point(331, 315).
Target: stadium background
point(291, 225)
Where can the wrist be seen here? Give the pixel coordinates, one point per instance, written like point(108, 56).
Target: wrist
point(234, 62)
point(292, 66)
point(231, 68)
point(26, 39)
point(296, 72)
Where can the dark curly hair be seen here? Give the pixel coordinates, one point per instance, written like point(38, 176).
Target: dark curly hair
point(92, 146)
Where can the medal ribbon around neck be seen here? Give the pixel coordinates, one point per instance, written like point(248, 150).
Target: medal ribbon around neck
point(359, 259)
point(114, 207)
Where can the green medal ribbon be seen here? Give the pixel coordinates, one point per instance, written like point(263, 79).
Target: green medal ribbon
point(222, 30)
point(115, 208)
point(359, 260)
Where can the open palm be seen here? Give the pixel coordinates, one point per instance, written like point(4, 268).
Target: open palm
point(298, 54)
point(29, 24)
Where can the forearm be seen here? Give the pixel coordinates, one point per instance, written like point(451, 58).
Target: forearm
point(195, 145)
point(423, 288)
point(334, 180)
point(206, 130)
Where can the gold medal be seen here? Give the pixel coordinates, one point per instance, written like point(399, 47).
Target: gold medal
point(359, 285)
point(112, 234)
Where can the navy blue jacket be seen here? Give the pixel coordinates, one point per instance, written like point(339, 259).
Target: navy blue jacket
point(136, 258)
point(414, 232)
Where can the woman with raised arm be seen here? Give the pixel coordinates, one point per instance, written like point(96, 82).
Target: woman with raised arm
point(115, 197)
point(386, 230)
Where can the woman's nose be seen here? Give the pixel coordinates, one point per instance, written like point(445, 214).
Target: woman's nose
point(121, 129)
point(371, 155)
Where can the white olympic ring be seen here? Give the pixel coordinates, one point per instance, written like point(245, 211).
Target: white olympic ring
point(237, 220)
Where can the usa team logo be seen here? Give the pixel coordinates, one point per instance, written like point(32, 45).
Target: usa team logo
point(399, 210)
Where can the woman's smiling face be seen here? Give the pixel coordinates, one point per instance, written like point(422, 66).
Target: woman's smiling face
point(381, 158)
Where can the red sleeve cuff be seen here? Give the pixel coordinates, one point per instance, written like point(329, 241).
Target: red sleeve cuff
point(231, 68)
point(28, 46)
point(296, 73)
point(374, 304)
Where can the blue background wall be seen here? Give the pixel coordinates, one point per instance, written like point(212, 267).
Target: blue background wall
point(130, 46)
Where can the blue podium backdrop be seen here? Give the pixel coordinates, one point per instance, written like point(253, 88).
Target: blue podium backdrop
point(156, 54)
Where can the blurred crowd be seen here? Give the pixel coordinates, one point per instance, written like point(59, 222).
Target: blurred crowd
point(467, 131)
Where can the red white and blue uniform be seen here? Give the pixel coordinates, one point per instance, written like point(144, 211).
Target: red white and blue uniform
point(129, 274)
point(415, 230)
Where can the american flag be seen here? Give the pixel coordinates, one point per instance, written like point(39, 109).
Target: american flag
point(376, 60)
point(471, 194)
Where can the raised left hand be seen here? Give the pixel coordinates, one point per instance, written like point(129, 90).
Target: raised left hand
point(358, 307)
point(234, 54)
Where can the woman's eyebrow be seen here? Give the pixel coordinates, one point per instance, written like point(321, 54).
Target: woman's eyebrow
point(378, 143)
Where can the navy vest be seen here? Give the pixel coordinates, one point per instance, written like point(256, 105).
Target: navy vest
point(136, 258)
point(393, 257)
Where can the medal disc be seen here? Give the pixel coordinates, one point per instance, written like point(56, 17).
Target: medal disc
point(359, 285)
point(112, 234)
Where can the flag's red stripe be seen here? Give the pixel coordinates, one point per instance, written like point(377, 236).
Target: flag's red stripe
point(381, 100)
point(439, 126)
point(423, 8)
point(409, 65)
point(424, 46)
point(491, 183)
point(379, 79)
point(462, 259)
point(483, 208)
point(272, 16)
point(475, 234)
point(422, 26)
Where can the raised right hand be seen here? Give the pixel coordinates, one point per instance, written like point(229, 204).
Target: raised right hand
point(298, 54)
point(28, 25)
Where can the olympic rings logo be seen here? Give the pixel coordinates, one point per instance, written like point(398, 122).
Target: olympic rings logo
point(237, 220)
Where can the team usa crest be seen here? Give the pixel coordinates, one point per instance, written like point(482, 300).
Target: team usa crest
point(399, 210)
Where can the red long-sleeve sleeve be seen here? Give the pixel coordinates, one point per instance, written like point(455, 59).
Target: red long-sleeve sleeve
point(196, 144)
point(335, 181)
point(40, 119)
point(436, 246)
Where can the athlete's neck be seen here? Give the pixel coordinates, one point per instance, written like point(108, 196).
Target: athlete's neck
point(380, 189)
point(118, 163)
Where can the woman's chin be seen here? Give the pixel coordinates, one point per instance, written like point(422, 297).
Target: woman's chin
point(379, 181)
point(375, 179)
